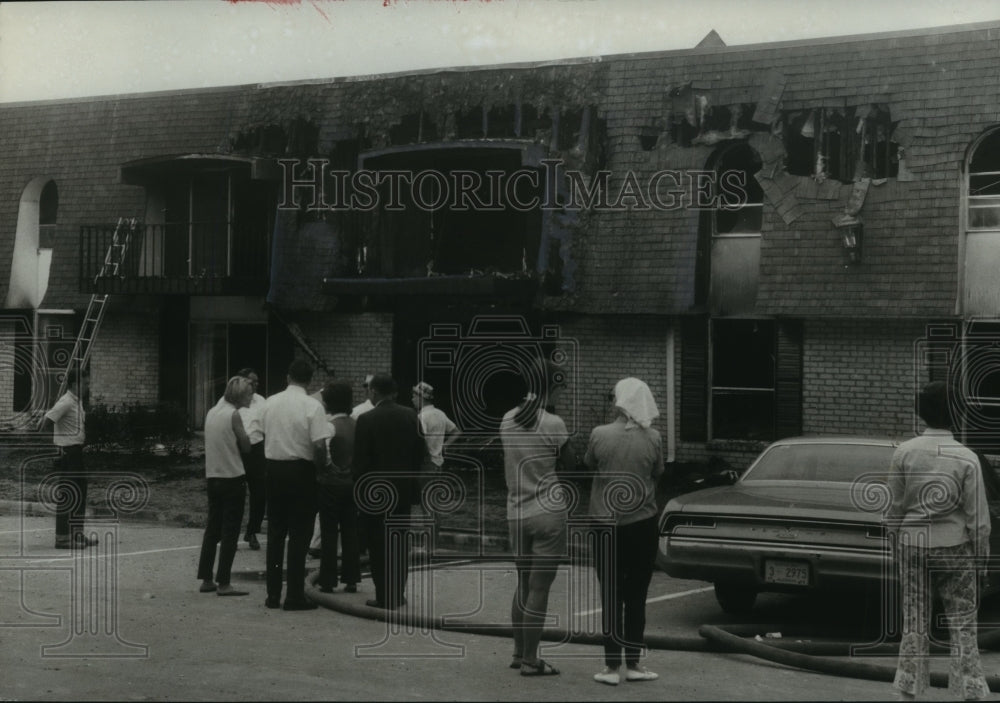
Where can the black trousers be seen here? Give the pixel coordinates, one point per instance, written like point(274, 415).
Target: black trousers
point(389, 552)
point(291, 510)
point(338, 517)
point(225, 515)
point(624, 569)
point(71, 490)
point(255, 466)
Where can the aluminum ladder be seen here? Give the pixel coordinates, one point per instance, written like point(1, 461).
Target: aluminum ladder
point(92, 319)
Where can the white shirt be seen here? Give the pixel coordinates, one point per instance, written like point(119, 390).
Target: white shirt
point(251, 419)
point(362, 408)
point(222, 453)
point(291, 422)
point(435, 426)
point(69, 418)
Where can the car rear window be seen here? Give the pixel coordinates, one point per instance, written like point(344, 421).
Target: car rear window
point(823, 462)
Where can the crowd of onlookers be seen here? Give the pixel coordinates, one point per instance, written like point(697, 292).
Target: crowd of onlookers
point(333, 474)
point(357, 467)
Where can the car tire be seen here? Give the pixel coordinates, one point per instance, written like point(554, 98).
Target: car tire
point(735, 599)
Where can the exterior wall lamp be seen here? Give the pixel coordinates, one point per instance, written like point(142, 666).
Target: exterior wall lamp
point(852, 238)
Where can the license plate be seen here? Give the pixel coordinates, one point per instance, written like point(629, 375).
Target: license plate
point(795, 573)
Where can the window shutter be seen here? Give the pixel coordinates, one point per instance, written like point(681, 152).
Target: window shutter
point(694, 379)
point(788, 380)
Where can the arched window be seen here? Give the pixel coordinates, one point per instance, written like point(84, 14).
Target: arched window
point(981, 295)
point(48, 210)
point(730, 231)
point(33, 243)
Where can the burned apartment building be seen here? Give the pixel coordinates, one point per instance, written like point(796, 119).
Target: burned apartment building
point(779, 238)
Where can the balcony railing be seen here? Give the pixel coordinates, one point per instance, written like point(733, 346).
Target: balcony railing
point(204, 258)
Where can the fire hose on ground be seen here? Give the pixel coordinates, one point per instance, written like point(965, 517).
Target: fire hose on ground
point(817, 657)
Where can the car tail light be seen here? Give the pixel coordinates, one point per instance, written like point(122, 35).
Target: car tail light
point(674, 522)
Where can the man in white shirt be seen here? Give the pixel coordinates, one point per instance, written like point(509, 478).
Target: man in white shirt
point(253, 462)
point(295, 435)
point(66, 421)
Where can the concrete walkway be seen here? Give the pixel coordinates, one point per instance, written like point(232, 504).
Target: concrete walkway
point(125, 621)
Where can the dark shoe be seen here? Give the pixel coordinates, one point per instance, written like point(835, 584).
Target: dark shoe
point(252, 541)
point(272, 603)
point(351, 588)
point(542, 668)
point(327, 589)
point(78, 541)
point(207, 587)
point(299, 605)
point(228, 590)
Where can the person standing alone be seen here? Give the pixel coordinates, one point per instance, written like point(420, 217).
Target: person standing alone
point(939, 520)
point(66, 421)
point(295, 436)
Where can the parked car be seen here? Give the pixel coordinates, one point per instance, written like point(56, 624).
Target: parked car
point(806, 516)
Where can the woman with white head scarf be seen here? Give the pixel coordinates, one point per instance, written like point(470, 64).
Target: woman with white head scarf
point(627, 455)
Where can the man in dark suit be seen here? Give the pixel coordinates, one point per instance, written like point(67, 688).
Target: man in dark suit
point(387, 443)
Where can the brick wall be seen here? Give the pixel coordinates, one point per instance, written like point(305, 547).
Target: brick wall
point(353, 345)
point(124, 365)
point(610, 348)
point(859, 377)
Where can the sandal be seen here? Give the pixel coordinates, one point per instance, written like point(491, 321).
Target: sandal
point(515, 661)
point(542, 668)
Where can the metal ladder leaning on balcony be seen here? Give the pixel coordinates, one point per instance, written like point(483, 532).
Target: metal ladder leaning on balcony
point(305, 344)
point(95, 309)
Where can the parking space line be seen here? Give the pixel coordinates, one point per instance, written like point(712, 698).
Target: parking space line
point(119, 554)
point(657, 599)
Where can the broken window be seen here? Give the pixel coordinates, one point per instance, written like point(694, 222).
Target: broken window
point(739, 198)
point(845, 145)
point(694, 118)
point(471, 123)
point(984, 185)
point(535, 125)
point(300, 136)
point(982, 228)
point(469, 228)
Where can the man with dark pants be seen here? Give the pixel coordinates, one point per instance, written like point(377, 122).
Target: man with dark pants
point(295, 436)
point(66, 422)
point(387, 443)
point(253, 461)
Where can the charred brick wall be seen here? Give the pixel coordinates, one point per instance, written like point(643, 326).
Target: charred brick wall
point(353, 345)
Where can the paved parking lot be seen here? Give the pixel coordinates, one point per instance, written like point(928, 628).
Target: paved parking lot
point(126, 622)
